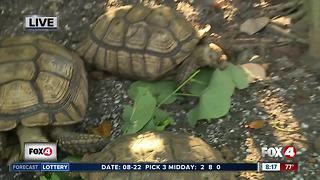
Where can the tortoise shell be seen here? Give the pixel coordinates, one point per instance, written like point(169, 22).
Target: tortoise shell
point(41, 83)
point(139, 42)
point(156, 147)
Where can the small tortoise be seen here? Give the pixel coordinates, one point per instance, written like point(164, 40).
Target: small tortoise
point(156, 147)
point(43, 86)
point(146, 43)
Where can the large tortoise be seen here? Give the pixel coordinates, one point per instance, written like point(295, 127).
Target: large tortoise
point(156, 147)
point(43, 86)
point(147, 43)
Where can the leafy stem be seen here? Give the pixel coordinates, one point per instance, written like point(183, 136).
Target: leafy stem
point(186, 94)
point(133, 112)
point(178, 88)
point(197, 81)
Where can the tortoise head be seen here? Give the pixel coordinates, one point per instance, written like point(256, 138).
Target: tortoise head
point(213, 56)
point(205, 55)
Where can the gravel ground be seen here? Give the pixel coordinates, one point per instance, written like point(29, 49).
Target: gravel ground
point(287, 101)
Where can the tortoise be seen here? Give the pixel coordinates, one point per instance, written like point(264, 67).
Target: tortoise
point(43, 88)
point(148, 43)
point(156, 147)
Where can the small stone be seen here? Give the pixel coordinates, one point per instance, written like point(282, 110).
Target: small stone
point(290, 110)
point(292, 87)
point(84, 19)
point(73, 46)
point(251, 26)
point(304, 125)
point(264, 117)
point(276, 78)
point(88, 6)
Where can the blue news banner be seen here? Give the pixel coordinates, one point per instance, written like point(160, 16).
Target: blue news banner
point(67, 167)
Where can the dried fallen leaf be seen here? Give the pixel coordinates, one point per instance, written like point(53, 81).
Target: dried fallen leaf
point(204, 31)
point(218, 3)
point(258, 124)
point(254, 71)
point(104, 129)
point(283, 21)
point(266, 66)
point(251, 26)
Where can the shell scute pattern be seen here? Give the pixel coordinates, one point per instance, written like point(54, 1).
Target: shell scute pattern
point(156, 147)
point(41, 83)
point(139, 41)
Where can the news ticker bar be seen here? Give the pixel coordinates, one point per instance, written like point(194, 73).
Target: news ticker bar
point(67, 167)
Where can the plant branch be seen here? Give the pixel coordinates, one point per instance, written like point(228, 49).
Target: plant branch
point(178, 88)
point(186, 94)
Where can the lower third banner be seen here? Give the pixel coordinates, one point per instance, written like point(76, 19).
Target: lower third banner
point(66, 167)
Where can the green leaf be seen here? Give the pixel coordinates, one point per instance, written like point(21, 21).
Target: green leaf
point(68, 175)
point(214, 104)
point(53, 176)
point(192, 116)
point(200, 82)
point(222, 82)
point(149, 126)
point(136, 117)
point(72, 158)
point(159, 122)
point(160, 90)
point(162, 119)
point(163, 124)
point(126, 115)
point(238, 75)
point(43, 178)
point(215, 100)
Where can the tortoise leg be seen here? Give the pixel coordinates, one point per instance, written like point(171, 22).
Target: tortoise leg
point(2, 144)
point(78, 143)
point(13, 154)
point(29, 134)
point(9, 149)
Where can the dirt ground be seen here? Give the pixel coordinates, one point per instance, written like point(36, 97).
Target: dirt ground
point(287, 101)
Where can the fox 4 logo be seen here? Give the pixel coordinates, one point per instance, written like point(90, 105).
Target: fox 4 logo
point(45, 151)
point(279, 152)
point(40, 151)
